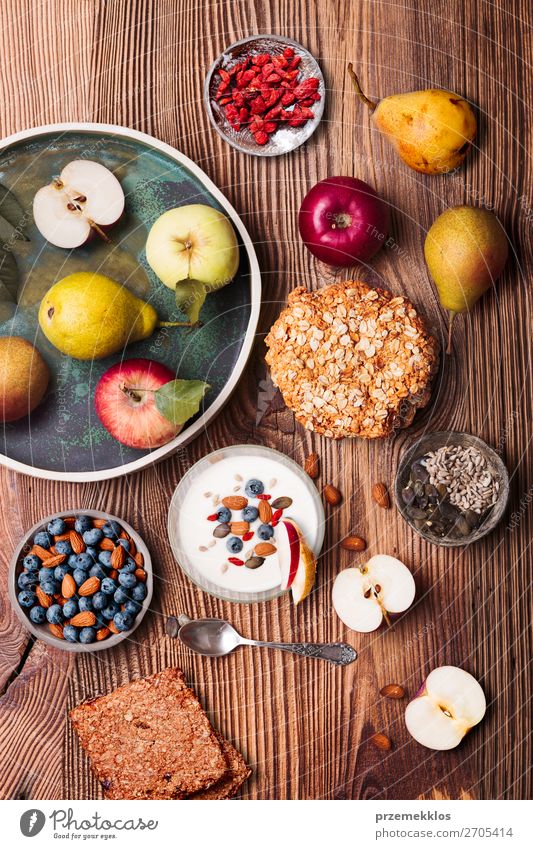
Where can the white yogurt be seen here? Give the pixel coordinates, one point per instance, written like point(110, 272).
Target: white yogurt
point(227, 476)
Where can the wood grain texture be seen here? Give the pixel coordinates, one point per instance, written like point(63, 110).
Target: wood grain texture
point(303, 726)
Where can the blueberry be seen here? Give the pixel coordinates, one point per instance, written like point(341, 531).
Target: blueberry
point(123, 621)
point(50, 587)
point(63, 547)
point(96, 571)
point(108, 586)
point(56, 527)
point(70, 633)
point(26, 580)
point(254, 488)
point(111, 610)
point(234, 544)
point(85, 603)
point(31, 562)
point(250, 514)
point(70, 608)
point(265, 532)
point(43, 539)
point(83, 523)
point(54, 614)
point(46, 574)
point(38, 615)
point(105, 558)
point(84, 561)
point(121, 596)
point(87, 635)
point(92, 552)
point(27, 598)
point(139, 592)
point(129, 566)
point(132, 607)
point(126, 579)
point(224, 514)
point(111, 529)
point(100, 601)
point(125, 543)
point(80, 576)
point(72, 561)
point(60, 572)
point(93, 536)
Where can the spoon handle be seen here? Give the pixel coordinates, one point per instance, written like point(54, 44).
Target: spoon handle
point(340, 654)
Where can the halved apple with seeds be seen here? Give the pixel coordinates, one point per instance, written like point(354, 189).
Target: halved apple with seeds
point(366, 595)
point(297, 561)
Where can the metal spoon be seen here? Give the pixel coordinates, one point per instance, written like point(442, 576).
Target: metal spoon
point(216, 638)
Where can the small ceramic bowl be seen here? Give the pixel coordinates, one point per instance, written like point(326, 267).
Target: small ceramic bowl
point(433, 441)
point(41, 631)
point(286, 138)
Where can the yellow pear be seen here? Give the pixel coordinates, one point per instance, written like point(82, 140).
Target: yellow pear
point(24, 378)
point(432, 130)
point(465, 249)
point(89, 316)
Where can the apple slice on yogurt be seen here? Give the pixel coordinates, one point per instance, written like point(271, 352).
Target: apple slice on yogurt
point(449, 703)
point(85, 198)
point(365, 596)
point(297, 561)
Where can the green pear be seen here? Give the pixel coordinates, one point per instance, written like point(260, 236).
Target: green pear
point(432, 130)
point(465, 249)
point(89, 316)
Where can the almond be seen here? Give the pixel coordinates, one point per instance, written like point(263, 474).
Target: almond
point(380, 495)
point(113, 573)
point(332, 494)
point(60, 599)
point(69, 521)
point(118, 557)
point(44, 600)
point(89, 587)
point(84, 619)
point(235, 502)
point(56, 630)
point(123, 535)
point(393, 691)
point(263, 549)
point(68, 586)
point(61, 537)
point(353, 544)
point(107, 544)
point(265, 512)
point(381, 741)
point(102, 633)
point(41, 552)
point(239, 528)
point(76, 541)
point(132, 548)
point(139, 559)
point(57, 560)
point(312, 465)
point(113, 628)
point(140, 574)
point(99, 523)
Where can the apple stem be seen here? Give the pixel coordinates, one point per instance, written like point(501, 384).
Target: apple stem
point(99, 230)
point(450, 323)
point(370, 103)
point(133, 393)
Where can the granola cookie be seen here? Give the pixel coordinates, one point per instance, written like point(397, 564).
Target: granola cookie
point(351, 360)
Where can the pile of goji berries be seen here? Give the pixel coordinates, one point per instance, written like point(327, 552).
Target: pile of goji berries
point(263, 91)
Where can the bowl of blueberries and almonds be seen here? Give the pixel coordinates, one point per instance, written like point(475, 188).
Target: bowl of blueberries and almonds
point(452, 488)
point(81, 581)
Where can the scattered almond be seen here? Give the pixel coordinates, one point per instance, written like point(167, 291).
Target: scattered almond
point(312, 465)
point(90, 586)
point(56, 630)
point(263, 549)
point(102, 633)
point(139, 559)
point(381, 741)
point(107, 544)
point(380, 495)
point(57, 560)
point(353, 544)
point(235, 502)
point(140, 574)
point(68, 586)
point(76, 541)
point(393, 691)
point(84, 619)
point(239, 528)
point(332, 494)
point(44, 599)
point(118, 557)
point(265, 512)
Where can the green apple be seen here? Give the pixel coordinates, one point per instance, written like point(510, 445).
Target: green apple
point(195, 242)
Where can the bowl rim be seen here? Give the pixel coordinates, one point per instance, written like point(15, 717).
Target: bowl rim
point(192, 431)
point(40, 631)
point(211, 589)
point(311, 126)
point(450, 437)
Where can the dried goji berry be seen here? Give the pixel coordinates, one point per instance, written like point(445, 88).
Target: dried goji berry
point(258, 106)
point(261, 59)
point(264, 497)
point(288, 52)
point(224, 76)
point(261, 137)
point(247, 536)
point(236, 561)
point(270, 127)
point(213, 517)
point(288, 98)
point(243, 115)
point(277, 515)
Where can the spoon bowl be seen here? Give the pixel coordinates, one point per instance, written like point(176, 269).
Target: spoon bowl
point(210, 637)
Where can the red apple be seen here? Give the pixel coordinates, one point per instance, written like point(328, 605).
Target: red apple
point(343, 220)
point(125, 403)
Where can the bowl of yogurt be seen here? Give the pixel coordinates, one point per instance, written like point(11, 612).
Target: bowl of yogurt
point(226, 521)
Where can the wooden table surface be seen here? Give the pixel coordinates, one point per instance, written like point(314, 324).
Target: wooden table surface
point(304, 726)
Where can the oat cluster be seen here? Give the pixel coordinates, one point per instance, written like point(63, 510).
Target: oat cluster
point(351, 360)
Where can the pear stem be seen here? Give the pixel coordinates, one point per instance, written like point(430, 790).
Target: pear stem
point(359, 91)
point(178, 324)
point(450, 323)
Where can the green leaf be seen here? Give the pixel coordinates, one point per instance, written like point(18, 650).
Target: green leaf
point(9, 277)
point(178, 400)
point(190, 297)
point(12, 212)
